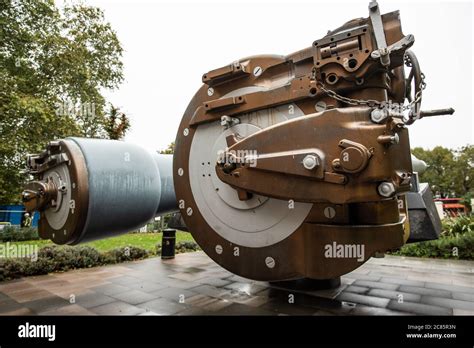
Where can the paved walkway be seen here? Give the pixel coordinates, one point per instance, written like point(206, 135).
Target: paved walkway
point(193, 284)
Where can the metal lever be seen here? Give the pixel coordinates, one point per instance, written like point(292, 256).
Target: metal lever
point(377, 25)
point(436, 112)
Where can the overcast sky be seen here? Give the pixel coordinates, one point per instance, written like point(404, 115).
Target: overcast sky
point(170, 44)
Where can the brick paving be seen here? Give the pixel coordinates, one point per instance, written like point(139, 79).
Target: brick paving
point(192, 284)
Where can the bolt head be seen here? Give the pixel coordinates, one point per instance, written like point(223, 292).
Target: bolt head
point(383, 51)
point(320, 106)
point(257, 71)
point(270, 262)
point(378, 115)
point(386, 189)
point(210, 91)
point(225, 120)
point(396, 138)
point(310, 162)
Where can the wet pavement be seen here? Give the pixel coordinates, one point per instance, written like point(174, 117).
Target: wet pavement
point(192, 284)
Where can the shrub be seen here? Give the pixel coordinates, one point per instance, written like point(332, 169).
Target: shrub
point(16, 268)
point(456, 241)
point(127, 253)
point(459, 225)
point(65, 257)
point(183, 247)
point(158, 249)
point(62, 258)
point(54, 258)
point(443, 247)
point(18, 234)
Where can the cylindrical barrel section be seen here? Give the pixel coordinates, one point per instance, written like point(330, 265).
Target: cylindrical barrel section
point(167, 202)
point(124, 187)
point(100, 188)
point(419, 166)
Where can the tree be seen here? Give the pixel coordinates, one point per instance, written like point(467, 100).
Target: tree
point(450, 172)
point(464, 170)
point(116, 123)
point(54, 63)
point(169, 150)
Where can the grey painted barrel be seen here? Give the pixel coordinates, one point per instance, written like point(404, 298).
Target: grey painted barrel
point(128, 186)
point(419, 166)
point(167, 202)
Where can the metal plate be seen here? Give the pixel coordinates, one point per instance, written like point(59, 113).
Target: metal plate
point(223, 190)
point(57, 217)
point(258, 222)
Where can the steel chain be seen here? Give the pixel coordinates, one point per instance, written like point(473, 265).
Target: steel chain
point(372, 102)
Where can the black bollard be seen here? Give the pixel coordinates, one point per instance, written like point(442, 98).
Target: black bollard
point(168, 243)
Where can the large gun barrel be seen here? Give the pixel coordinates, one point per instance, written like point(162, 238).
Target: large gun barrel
point(88, 189)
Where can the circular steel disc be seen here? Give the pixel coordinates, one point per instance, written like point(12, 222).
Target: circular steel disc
point(258, 222)
point(57, 217)
point(261, 238)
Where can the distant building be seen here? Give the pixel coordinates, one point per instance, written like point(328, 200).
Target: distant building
point(14, 214)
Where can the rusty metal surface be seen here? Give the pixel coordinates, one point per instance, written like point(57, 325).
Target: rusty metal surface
point(301, 133)
point(71, 230)
point(354, 154)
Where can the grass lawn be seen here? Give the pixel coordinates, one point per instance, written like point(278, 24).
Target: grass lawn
point(146, 241)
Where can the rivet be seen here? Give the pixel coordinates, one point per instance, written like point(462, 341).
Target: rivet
point(329, 212)
point(257, 71)
point(270, 262)
point(320, 106)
